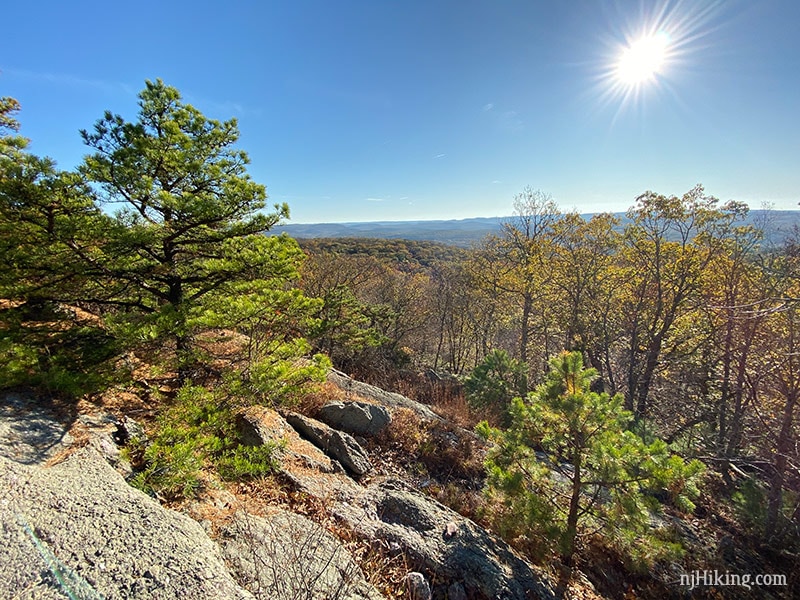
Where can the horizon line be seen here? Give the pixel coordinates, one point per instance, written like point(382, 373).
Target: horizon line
point(619, 212)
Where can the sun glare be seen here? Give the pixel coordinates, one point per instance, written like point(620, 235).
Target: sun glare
point(643, 59)
point(645, 52)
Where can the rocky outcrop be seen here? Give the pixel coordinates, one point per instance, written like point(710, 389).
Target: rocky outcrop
point(378, 396)
point(287, 556)
point(258, 425)
point(78, 525)
point(462, 557)
point(309, 469)
point(336, 444)
point(355, 418)
point(29, 432)
point(418, 586)
point(441, 541)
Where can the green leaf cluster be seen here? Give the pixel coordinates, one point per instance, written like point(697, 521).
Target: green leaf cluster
point(282, 377)
point(44, 347)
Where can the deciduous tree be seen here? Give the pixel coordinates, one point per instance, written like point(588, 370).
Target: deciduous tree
point(668, 245)
point(518, 265)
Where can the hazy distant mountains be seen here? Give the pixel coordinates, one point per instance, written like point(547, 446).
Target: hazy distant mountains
point(461, 232)
point(465, 232)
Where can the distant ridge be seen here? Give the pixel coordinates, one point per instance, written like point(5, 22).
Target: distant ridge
point(460, 232)
point(466, 232)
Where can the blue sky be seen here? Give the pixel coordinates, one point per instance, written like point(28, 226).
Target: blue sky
point(382, 110)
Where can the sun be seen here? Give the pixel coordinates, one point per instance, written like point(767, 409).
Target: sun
point(643, 59)
point(644, 54)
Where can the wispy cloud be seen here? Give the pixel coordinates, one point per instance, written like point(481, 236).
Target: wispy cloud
point(496, 181)
point(505, 120)
point(227, 107)
point(375, 199)
point(440, 156)
point(224, 108)
point(67, 79)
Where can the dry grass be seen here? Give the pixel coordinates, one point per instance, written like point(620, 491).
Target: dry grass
point(405, 433)
point(313, 401)
point(446, 450)
point(452, 453)
point(466, 502)
point(383, 568)
point(121, 402)
point(455, 409)
point(447, 459)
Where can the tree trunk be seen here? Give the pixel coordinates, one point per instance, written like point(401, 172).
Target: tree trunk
point(183, 342)
point(783, 446)
point(646, 379)
point(183, 347)
point(527, 306)
point(571, 532)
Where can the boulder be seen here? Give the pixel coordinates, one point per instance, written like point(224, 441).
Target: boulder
point(381, 397)
point(436, 539)
point(78, 525)
point(440, 541)
point(308, 468)
point(258, 426)
point(285, 555)
point(77, 528)
point(355, 418)
point(455, 591)
point(336, 444)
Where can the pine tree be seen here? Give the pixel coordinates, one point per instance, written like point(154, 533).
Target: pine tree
point(495, 382)
point(187, 223)
point(568, 463)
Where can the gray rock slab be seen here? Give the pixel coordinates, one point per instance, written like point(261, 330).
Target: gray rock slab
point(355, 418)
point(29, 432)
point(117, 540)
point(379, 396)
point(287, 556)
point(309, 469)
point(444, 543)
point(336, 444)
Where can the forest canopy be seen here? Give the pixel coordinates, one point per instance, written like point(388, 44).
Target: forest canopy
point(684, 310)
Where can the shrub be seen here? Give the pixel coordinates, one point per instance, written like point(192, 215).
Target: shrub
point(281, 377)
point(42, 346)
point(494, 382)
point(196, 431)
point(246, 462)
